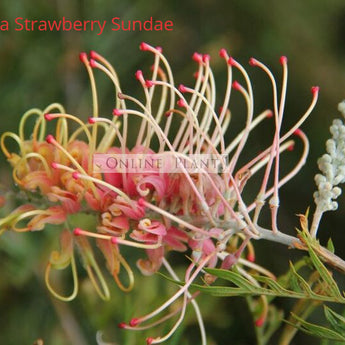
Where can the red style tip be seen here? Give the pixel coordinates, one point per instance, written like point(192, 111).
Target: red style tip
point(122, 325)
point(206, 58)
point(76, 175)
point(48, 117)
point(223, 53)
point(236, 85)
point(144, 46)
point(93, 63)
point(167, 114)
point(283, 60)
point(93, 54)
point(134, 322)
point(291, 147)
point(269, 114)
point(83, 57)
point(50, 139)
point(120, 95)
point(260, 321)
point(117, 112)
point(196, 75)
point(251, 257)
point(197, 57)
point(315, 90)
point(149, 341)
point(141, 202)
point(231, 61)
point(113, 240)
point(149, 83)
point(139, 75)
point(77, 231)
point(54, 165)
point(91, 120)
point(297, 132)
point(253, 62)
point(182, 88)
point(159, 49)
point(181, 103)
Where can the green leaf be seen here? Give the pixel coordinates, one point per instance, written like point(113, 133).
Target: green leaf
point(225, 291)
point(272, 284)
point(244, 287)
point(337, 321)
point(316, 330)
point(294, 281)
point(325, 275)
point(330, 245)
point(233, 277)
point(301, 282)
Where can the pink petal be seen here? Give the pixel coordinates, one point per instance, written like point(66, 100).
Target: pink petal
point(153, 227)
point(141, 236)
point(153, 263)
point(157, 182)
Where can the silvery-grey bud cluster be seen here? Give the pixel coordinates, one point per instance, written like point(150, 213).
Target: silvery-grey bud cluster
point(332, 167)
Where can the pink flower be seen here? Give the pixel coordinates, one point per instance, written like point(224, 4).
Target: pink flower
point(207, 213)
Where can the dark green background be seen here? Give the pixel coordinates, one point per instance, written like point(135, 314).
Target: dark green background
point(38, 68)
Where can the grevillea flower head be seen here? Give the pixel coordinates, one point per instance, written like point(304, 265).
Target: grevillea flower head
point(205, 214)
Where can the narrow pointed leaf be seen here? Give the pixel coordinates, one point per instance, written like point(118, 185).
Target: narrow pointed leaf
point(332, 286)
point(330, 245)
point(317, 331)
point(337, 321)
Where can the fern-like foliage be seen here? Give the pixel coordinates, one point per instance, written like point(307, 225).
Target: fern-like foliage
point(308, 280)
point(321, 286)
point(335, 330)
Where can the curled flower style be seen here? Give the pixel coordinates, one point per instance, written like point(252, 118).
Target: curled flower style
point(206, 214)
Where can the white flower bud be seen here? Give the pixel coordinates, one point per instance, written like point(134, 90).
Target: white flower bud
point(319, 179)
point(334, 206)
point(341, 107)
point(336, 192)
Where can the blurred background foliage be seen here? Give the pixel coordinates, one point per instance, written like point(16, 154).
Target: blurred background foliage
point(39, 68)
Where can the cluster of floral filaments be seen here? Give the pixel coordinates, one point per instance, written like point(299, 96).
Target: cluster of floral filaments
point(203, 215)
